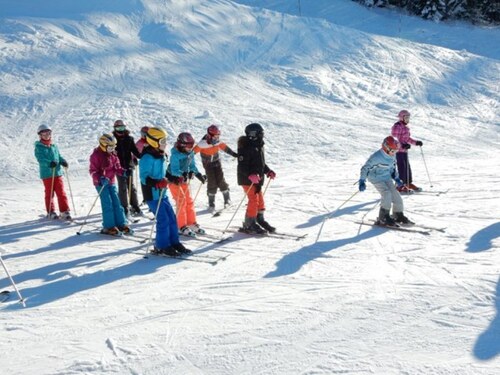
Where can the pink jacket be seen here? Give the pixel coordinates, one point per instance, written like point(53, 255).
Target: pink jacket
point(401, 132)
point(104, 164)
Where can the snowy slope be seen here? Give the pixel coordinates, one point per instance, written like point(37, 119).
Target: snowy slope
point(326, 86)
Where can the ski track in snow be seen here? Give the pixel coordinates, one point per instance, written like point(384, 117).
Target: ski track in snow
point(326, 87)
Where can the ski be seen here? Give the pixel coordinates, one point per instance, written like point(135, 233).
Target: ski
point(205, 238)
point(442, 230)
point(424, 232)
point(189, 257)
point(217, 213)
point(4, 296)
point(277, 235)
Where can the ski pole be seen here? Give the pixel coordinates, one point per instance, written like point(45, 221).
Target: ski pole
point(154, 221)
point(425, 164)
point(21, 299)
point(237, 208)
point(267, 185)
point(333, 213)
point(70, 192)
point(91, 208)
point(51, 191)
point(197, 192)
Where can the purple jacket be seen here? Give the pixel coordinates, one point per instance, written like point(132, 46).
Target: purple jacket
point(104, 164)
point(401, 132)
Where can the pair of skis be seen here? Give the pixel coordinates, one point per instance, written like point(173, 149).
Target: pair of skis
point(413, 228)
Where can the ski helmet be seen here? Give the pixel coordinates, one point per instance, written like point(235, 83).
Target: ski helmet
point(156, 137)
point(185, 142)
point(43, 128)
point(107, 142)
point(213, 134)
point(390, 145)
point(213, 130)
point(254, 131)
point(402, 114)
point(119, 126)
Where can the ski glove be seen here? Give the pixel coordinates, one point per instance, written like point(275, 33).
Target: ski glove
point(53, 164)
point(64, 163)
point(271, 175)
point(162, 184)
point(188, 175)
point(177, 180)
point(104, 181)
point(419, 143)
point(362, 185)
point(201, 177)
point(254, 178)
point(398, 181)
point(406, 146)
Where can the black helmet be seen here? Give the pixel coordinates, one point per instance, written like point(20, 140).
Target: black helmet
point(254, 131)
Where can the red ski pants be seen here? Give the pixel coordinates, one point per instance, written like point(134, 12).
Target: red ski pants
point(58, 188)
point(255, 200)
point(184, 203)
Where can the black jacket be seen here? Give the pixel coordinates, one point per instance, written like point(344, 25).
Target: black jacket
point(125, 148)
point(251, 160)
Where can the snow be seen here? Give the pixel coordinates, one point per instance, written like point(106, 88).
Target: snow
point(326, 86)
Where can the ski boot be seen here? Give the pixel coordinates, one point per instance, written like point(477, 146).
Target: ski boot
point(168, 251)
point(211, 202)
point(65, 216)
point(180, 248)
point(227, 198)
point(264, 224)
point(414, 187)
point(113, 231)
point(125, 229)
point(52, 216)
point(197, 229)
point(385, 219)
point(400, 218)
point(186, 231)
point(250, 226)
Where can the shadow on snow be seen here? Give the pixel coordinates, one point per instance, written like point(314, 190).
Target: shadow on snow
point(482, 240)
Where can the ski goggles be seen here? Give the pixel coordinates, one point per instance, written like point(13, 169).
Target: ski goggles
point(162, 142)
point(47, 131)
point(110, 148)
point(120, 128)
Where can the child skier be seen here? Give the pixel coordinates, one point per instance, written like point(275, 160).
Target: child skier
point(128, 154)
point(251, 170)
point(401, 132)
point(181, 169)
point(209, 148)
point(50, 162)
point(380, 170)
point(104, 166)
point(152, 168)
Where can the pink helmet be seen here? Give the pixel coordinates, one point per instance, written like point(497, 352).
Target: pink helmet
point(402, 114)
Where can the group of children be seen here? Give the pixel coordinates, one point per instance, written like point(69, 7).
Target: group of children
point(116, 157)
point(380, 169)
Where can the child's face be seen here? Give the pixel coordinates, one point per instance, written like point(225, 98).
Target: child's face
point(406, 119)
point(45, 135)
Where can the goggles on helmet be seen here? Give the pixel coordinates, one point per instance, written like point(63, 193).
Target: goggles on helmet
point(162, 142)
point(120, 128)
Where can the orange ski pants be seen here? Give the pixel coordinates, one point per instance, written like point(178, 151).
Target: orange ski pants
point(255, 200)
point(185, 212)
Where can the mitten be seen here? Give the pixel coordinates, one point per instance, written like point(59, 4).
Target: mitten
point(406, 146)
point(104, 181)
point(254, 178)
point(362, 185)
point(53, 164)
point(64, 163)
point(162, 184)
point(419, 143)
point(271, 175)
point(201, 177)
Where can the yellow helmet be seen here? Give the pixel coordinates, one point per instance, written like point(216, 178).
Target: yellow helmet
point(107, 140)
point(155, 137)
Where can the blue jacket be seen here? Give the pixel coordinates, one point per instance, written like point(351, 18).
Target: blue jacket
point(379, 167)
point(152, 168)
point(181, 163)
point(46, 154)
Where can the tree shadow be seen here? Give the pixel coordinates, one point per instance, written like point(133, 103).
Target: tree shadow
point(482, 240)
point(293, 262)
point(60, 281)
point(487, 345)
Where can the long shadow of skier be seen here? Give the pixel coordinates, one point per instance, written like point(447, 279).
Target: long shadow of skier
point(487, 345)
point(315, 220)
point(292, 262)
point(482, 240)
point(61, 282)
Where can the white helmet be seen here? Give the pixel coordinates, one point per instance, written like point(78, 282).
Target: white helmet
point(43, 127)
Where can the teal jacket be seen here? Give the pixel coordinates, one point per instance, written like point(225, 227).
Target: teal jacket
point(46, 154)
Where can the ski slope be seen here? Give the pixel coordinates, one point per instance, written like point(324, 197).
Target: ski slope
point(326, 85)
